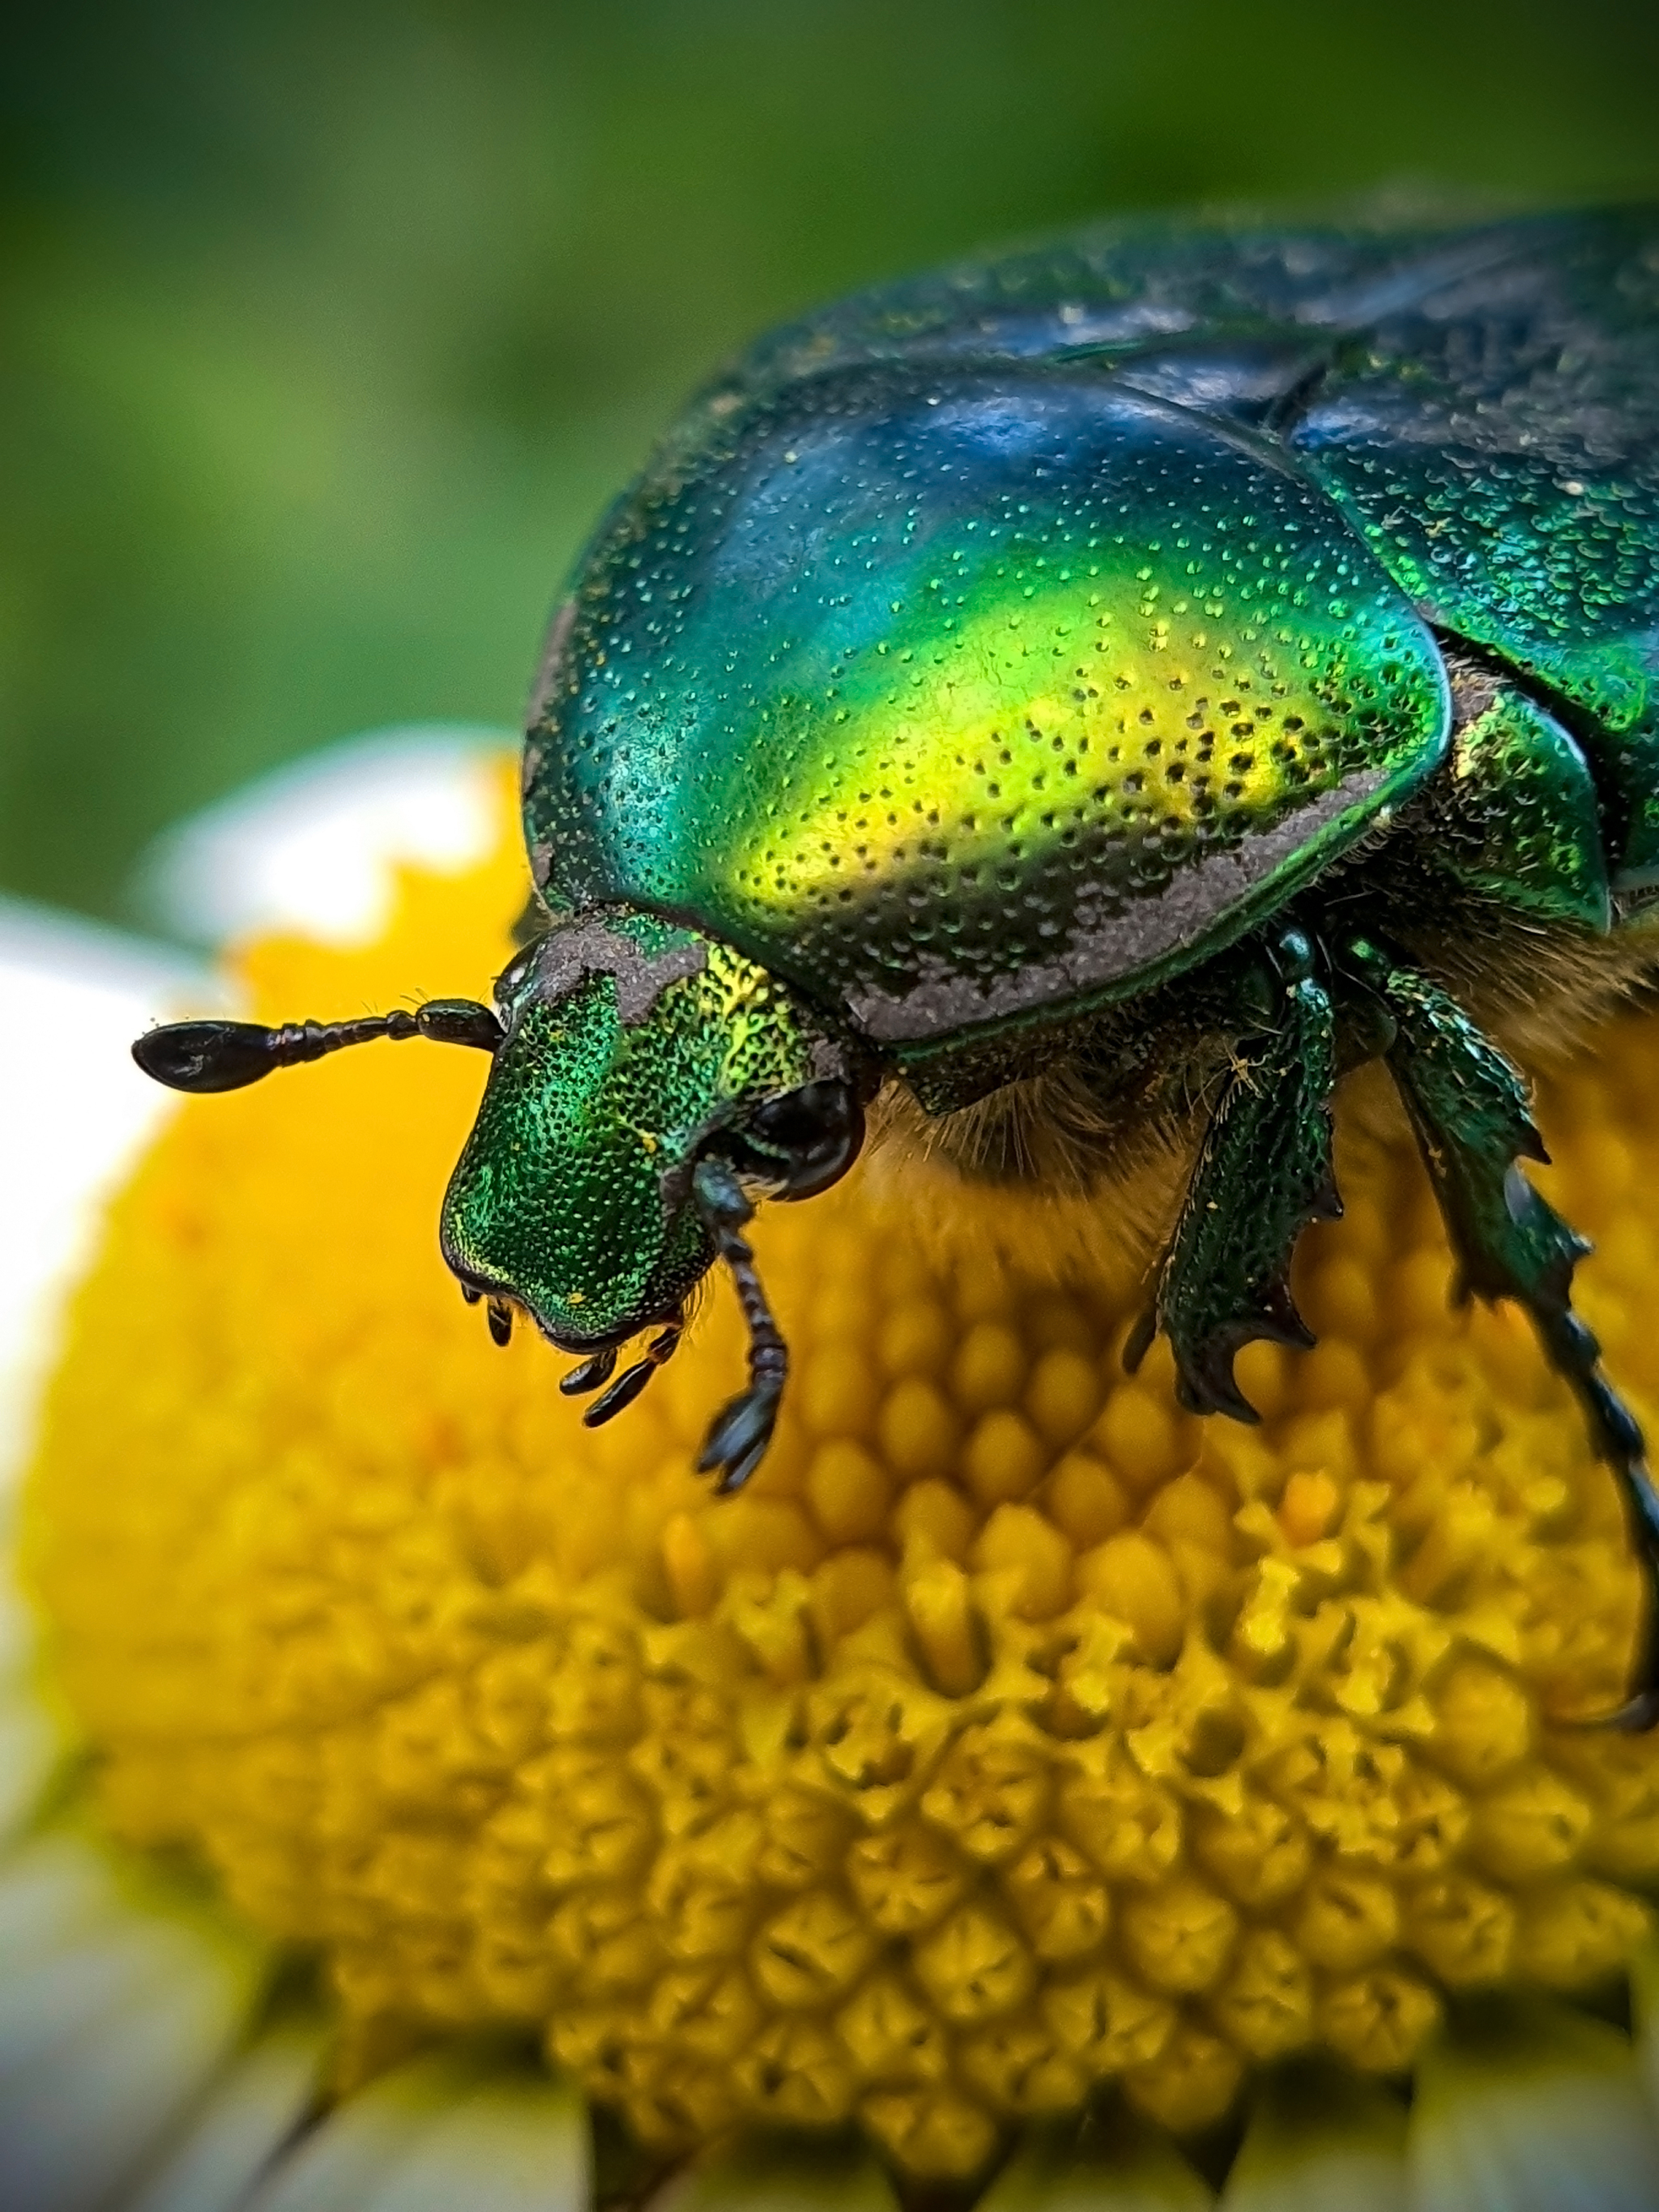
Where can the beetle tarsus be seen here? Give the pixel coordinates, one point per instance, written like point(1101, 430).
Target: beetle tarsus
point(738, 1440)
point(501, 1322)
point(1264, 1174)
point(741, 1431)
point(1472, 1115)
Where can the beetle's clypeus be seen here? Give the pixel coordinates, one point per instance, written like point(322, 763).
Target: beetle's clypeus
point(1173, 663)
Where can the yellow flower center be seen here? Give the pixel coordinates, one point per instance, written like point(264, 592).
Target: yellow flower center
point(1013, 1732)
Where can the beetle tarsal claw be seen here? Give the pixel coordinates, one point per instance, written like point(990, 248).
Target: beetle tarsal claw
point(738, 1434)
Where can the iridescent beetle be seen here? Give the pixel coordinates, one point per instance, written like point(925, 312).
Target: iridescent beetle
point(1108, 690)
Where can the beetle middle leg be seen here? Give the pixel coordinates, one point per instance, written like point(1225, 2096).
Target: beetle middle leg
point(1263, 1175)
point(1472, 1119)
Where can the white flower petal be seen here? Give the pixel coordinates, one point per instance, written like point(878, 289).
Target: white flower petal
point(52, 1892)
point(74, 1110)
point(312, 846)
point(437, 2135)
point(248, 2117)
point(518, 2144)
point(115, 2017)
point(335, 2166)
point(1321, 2141)
point(775, 2177)
point(1122, 2166)
point(32, 1744)
point(1542, 2111)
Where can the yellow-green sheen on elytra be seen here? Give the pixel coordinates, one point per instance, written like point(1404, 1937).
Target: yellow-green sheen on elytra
point(956, 694)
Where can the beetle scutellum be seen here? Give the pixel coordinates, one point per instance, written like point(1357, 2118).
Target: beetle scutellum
point(1116, 687)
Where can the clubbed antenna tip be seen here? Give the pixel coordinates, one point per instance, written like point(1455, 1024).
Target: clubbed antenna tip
point(206, 1056)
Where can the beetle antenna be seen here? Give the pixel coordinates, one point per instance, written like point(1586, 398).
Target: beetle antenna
point(741, 1431)
point(229, 1055)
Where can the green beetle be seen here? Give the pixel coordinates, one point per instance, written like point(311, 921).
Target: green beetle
point(1102, 694)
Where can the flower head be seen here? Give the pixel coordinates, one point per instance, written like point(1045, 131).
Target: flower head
point(1014, 1740)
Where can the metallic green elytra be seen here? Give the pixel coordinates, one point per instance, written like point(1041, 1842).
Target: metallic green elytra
point(966, 692)
point(1089, 699)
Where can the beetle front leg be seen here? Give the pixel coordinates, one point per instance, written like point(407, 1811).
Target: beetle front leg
point(1264, 1174)
point(1472, 1118)
point(741, 1431)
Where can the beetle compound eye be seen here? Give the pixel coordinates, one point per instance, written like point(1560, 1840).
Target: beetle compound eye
point(511, 979)
point(797, 1119)
point(807, 1138)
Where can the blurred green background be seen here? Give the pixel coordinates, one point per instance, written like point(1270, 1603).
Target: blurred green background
point(330, 327)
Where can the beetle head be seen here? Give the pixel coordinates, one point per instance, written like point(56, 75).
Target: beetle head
point(633, 1049)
